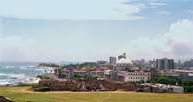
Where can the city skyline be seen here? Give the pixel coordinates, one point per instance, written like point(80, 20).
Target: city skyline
point(64, 30)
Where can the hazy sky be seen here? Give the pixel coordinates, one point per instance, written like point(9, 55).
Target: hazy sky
point(88, 30)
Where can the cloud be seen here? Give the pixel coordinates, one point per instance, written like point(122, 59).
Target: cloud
point(127, 11)
point(157, 4)
point(154, 3)
point(181, 30)
point(181, 35)
point(70, 9)
point(182, 49)
point(177, 43)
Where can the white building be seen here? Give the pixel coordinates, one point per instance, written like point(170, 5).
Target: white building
point(123, 64)
point(134, 76)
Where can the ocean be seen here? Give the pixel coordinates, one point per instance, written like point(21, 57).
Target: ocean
point(15, 73)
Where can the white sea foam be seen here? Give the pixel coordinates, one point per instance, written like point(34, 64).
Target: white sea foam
point(14, 79)
point(14, 75)
point(27, 67)
point(4, 82)
point(9, 67)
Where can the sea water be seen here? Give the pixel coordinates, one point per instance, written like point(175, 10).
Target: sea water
point(13, 74)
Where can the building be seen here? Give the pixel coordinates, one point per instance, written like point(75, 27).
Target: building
point(160, 88)
point(113, 60)
point(102, 63)
point(136, 76)
point(122, 56)
point(123, 64)
point(81, 74)
point(164, 63)
point(188, 64)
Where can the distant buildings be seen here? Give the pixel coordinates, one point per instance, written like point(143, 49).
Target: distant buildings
point(123, 64)
point(160, 88)
point(113, 60)
point(188, 64)
point(126, 71)
point(178, 73)
point(135, 76)
point(101, 62)
point(123, 70)
point(118, 73)
point(122, 56)
point(80, 74)
point(164, 63)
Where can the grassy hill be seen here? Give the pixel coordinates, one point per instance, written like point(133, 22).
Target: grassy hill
point(22, 94)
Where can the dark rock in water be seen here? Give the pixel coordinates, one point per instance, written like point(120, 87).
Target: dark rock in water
point(4, 99)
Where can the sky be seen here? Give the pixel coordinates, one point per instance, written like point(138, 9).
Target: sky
point(90, 30)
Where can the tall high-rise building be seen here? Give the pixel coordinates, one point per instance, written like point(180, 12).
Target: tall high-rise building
point(113, 60)
point(165, 63)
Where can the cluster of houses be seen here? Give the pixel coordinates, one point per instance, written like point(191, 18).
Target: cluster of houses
point(180, 73)
point(103, 75)
point(122, 70)
point(106, 74)
point(160, 88)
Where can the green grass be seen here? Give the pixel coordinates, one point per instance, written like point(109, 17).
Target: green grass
point(19, 94)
